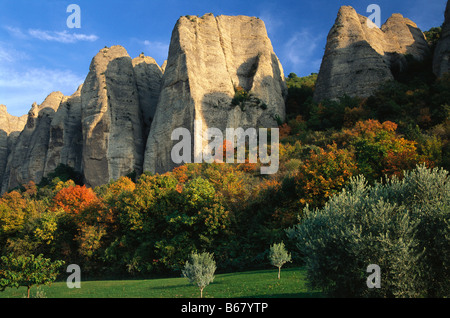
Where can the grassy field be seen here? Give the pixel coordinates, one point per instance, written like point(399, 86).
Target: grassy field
point(258, 284)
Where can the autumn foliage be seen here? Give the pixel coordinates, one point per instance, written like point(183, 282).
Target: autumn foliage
point(74, 199)
point(324, 174)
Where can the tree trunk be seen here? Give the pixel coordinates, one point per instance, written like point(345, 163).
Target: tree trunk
point(201, 292)
point(28, 291)
point(279, 272)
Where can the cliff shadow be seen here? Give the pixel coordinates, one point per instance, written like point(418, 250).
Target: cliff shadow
point(247, 71)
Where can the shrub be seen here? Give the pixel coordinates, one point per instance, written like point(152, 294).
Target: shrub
point(402, 226)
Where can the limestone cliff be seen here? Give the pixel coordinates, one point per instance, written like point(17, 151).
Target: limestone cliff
point(209, 58)
point(148, 80)
point(27, 159)
point(111, 118)
point(65, 144)
point(10, 128)
point(441, 62)
point(99, 131)
point(359, 56)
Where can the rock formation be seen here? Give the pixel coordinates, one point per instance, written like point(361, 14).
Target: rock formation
point(10, 128)
point(441, 62)
point(66, 142)
point(129, 107)
point(99, 131)
point(26, 162)
point(148, 80)
point(209, 58)
point(359, 56)
point(111, 118)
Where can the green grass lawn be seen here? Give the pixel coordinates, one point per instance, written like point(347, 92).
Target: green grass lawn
point(259, 284)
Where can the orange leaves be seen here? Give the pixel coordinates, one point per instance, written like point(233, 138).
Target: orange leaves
point(285, 130)
point(402, 156)
point(74, 199)
point(323, 174)
point(227, 145)
point(380, 151)
point(371, 128)
point(123, 185)
point(180, 173)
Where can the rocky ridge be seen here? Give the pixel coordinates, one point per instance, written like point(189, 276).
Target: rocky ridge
point(102, 129)
point(120, 120)
point(359, 56)
point(209, 59)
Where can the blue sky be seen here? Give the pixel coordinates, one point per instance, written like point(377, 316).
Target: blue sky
point(40, 54)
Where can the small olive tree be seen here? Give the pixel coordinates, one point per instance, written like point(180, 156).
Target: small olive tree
point(200, 270)
point(27, 271)
point(279, 256)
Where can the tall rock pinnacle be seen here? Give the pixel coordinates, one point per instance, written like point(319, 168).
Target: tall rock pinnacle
point(209, 58)
point(111, 118)
point(359, 56)
point(26, 162)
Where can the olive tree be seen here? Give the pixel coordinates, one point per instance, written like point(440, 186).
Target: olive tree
point(279, 256)
point(401, 225)
point(200, 270)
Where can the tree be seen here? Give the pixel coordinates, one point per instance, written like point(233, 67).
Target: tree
point(74, 199)
point(200, 271)
point(12, 212)
point(400, 225)
point(27, 271)
point(279, 256)
point(324, 174)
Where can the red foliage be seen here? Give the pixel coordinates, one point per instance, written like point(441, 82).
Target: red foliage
point(180, 173)
point(74, 199)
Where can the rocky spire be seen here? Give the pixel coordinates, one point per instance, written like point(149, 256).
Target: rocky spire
point(111, 118)
point(209, 58)
point(26, 162)
point(359, 56)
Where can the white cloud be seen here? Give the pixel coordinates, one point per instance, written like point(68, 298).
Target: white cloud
point(15, 32)
point(20, 85)
point(56, 36)
point(272, 23)
point(19, 89)
point(62, 37)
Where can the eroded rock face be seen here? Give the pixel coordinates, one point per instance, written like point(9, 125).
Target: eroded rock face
point(441, 62)
point(359, 56)
point(148, 80)
point(209, 58)
point(26, 162)
point(101, 130)
point(66, 141)
point(10, 128)
point(111, 118)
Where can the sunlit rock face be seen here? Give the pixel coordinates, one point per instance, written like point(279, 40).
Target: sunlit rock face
point(359, 56)
point(209, 59)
